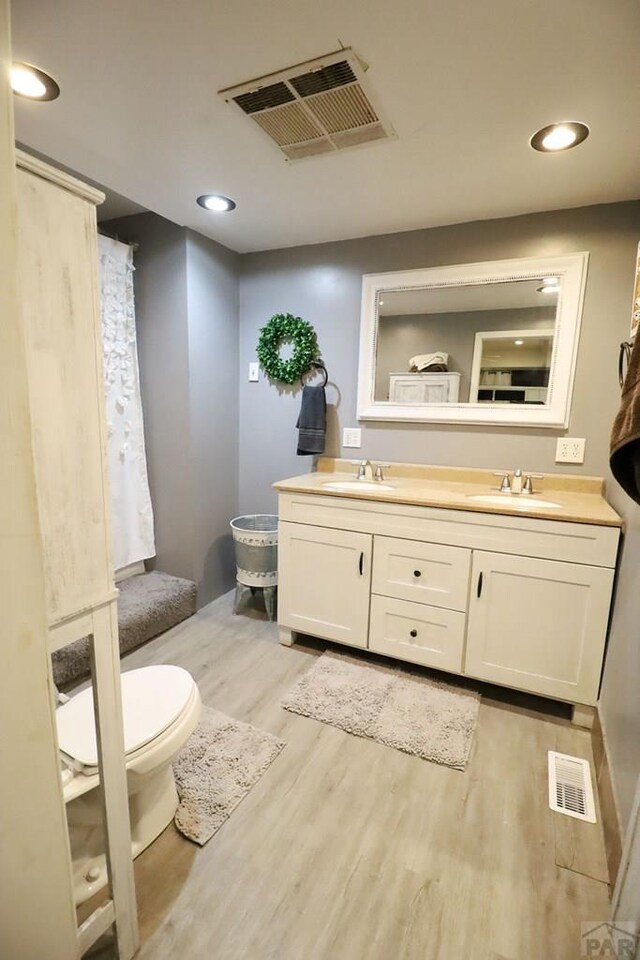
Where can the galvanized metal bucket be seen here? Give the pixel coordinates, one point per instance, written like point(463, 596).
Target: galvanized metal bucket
point(256, 544)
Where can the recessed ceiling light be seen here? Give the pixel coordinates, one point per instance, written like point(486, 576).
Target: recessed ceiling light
point(549, 286)
point(559, 136)
point(31, 82)
point(518, 343)
point(216, 202)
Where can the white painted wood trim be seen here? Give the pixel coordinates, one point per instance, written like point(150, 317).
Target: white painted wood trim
point(39, 168)
point(105, 672)
point(571, 268)
point(96, 925)
point(478, 344)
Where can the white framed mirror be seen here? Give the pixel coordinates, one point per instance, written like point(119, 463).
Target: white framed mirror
point(485, 343)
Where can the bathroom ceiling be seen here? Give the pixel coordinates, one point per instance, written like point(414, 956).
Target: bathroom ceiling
point(464, 85)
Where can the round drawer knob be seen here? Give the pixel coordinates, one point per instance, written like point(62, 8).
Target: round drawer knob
point(413, 633)
point(417, 573)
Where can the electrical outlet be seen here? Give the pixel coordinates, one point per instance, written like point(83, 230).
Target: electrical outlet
point(352, 437)
point(570, 450)
point(254, 372)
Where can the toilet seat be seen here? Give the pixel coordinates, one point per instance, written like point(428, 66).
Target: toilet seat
point(153, 699)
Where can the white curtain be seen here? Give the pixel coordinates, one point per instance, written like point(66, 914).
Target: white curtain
point(131, 510)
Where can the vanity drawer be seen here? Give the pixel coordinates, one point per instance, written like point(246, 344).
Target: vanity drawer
point(421, 572)
point(417, 633)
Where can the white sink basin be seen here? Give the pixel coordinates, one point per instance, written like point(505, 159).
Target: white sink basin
point(347, 486)
point(519, 501)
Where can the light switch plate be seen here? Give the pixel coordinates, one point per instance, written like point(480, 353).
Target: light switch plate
point(254, 372)
point(570, 449)
point(352, 437)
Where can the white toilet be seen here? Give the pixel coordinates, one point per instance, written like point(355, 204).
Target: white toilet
point(161, 706)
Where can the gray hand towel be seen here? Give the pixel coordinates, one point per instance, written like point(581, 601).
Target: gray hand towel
point(312, 422)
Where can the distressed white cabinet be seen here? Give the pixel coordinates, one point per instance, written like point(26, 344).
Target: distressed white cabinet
point(513, 600)
point(58, 276)
point(537, 624)
point(424, 387)
point(324, 582)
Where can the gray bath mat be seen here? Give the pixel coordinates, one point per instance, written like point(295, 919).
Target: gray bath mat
point(414, 714)
point(222, 759)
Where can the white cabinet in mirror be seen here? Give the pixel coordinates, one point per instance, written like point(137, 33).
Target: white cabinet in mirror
point(487, 343)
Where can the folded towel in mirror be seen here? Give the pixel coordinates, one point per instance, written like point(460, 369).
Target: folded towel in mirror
point(434, 362)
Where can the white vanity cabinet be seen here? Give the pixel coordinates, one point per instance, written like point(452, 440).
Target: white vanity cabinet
point(513, 600)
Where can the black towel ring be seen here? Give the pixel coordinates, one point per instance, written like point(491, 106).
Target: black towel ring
point(316, 365)
point(623, 361)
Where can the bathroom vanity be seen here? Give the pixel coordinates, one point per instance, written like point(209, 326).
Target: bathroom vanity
point(434, 566)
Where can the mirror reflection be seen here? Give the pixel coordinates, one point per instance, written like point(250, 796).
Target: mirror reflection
point(488, 343)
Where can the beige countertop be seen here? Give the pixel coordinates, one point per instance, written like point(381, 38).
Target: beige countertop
point(579, 499)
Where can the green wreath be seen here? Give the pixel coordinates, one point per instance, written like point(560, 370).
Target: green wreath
point(285, 328)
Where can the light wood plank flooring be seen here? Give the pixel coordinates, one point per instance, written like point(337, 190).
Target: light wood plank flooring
point(349, 850)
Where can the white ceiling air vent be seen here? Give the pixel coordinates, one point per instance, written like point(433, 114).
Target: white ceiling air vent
point(315, 107)
point(570, 789)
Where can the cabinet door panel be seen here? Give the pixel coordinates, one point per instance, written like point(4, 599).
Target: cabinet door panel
point(538, 625)
point(422, 572)
point(417, 632)
point(324, 581)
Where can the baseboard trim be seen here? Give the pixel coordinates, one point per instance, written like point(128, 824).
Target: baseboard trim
point(607, 797)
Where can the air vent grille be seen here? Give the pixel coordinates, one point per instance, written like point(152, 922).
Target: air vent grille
point(570, 789)
point(264, 98)
point(326, 78)
point(287, 125)
point(341, 110)
point(317, 107)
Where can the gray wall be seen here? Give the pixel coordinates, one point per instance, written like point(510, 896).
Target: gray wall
point(212, 293)
point(322, 284)
point(402, 337)
point(186, 290)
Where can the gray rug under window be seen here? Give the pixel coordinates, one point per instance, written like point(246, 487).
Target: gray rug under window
point(420, 716)
point(220, 763)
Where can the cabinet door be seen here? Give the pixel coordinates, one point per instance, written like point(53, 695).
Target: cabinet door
point(538, 625)
point(324, 580)
point(417, 632)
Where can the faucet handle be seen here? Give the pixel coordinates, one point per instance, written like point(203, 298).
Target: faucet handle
point(505, 484)
point(379, 475)
point(527, 486)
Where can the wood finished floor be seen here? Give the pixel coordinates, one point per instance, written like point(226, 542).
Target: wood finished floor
point(349, 850)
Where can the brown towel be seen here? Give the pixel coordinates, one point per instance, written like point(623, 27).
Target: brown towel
point(624, 451)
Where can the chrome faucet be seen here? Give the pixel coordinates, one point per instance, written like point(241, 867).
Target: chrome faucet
point(518, 484)
point(368, 468)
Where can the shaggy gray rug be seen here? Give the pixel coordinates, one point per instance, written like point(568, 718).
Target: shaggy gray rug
point(414, 714)
point(223, 758)
point(148, 604)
